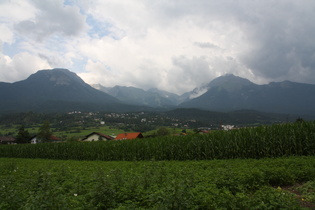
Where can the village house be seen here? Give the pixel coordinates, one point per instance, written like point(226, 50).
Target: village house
point(227, 127)
point(125, 136)
point(7, 140)
point(203, 131)
point(53, 139)
point(95, 136)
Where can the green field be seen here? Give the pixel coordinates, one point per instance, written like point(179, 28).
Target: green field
point(261, 142)
point(283, 183)
point(267, 167)
point(76, 132)
point(79, 132)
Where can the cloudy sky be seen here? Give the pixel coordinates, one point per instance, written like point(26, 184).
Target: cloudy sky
point(173, 45)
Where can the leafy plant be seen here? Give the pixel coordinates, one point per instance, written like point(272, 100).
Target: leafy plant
point(215, 184)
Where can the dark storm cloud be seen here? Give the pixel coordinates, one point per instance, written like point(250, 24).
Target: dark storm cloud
point(280, 33)
point(282, 37)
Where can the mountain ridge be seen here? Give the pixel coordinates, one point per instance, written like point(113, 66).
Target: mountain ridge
point(61, 89)
point(229, 93)
point(153, 97)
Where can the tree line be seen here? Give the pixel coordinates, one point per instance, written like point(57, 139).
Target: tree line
point(44, 134)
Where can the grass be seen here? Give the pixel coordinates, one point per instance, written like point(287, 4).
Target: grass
point(172, 131)
point(66, 134)
point(73, 132)
point(83, 132)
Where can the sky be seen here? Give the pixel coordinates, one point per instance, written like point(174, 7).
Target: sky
point(172, 45)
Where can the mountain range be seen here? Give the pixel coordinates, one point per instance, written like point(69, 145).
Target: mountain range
point(63, 90)
point(229, 92)
point(153, 97)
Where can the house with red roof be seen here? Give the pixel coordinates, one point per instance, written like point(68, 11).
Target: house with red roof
point(128, 136)
point(95, 136)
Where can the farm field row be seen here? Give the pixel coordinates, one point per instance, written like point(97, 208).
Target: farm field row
point(292, 139)
point(268, 183)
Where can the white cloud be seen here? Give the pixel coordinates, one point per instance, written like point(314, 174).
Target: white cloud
point(36, 34)
point(98, 73)
point(144, 55)
point(52, 17)
point(20, 66)
point(174, 45)
point(12, 11)
point(6, 35)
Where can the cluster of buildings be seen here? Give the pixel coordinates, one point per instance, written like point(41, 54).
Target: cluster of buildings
point(94, 136)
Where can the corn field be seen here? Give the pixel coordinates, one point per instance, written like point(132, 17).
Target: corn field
point(292, 139)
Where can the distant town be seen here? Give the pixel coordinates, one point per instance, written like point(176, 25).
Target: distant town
point(80, 126)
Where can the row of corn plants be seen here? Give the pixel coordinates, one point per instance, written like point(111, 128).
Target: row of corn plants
point(216, 184)
point(297, 139)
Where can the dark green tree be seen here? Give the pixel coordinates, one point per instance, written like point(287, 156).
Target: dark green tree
point(299, 120)
point(162, 131)
point(44, 134)
point(23, 136)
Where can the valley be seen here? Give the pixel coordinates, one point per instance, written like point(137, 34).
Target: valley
point(76, 124)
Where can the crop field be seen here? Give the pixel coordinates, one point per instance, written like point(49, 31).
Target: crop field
point(282, 183)
point(267, 167)
point(261, 142)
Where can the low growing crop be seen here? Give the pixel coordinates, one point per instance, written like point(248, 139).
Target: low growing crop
point(216, 184)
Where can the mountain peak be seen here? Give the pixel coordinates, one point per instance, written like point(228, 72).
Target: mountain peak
point(57, 76)
point(230, 82)
point(55, 89)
